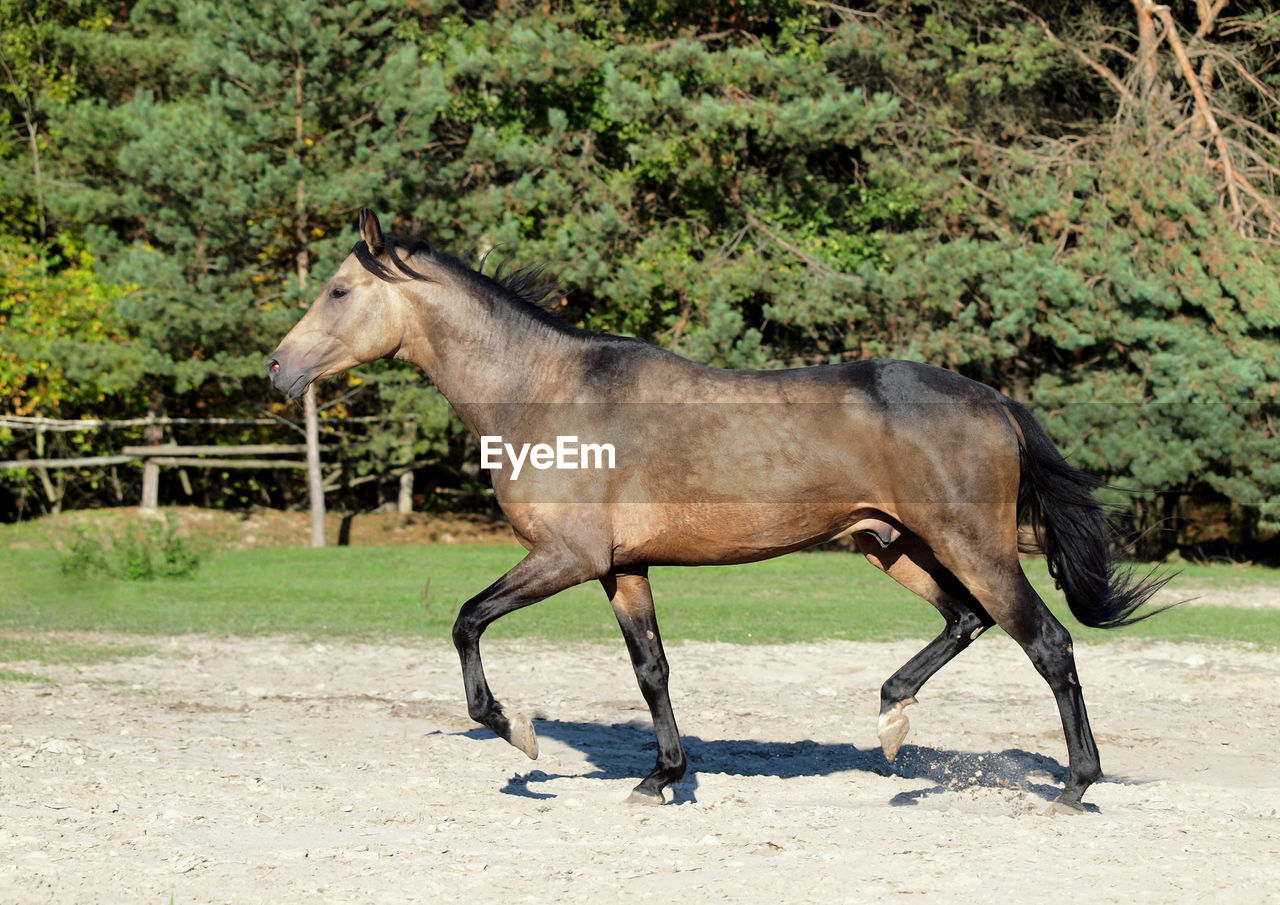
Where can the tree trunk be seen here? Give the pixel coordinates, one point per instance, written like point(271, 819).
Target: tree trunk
point(1148, 64)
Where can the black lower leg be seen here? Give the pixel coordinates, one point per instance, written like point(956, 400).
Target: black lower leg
point(963, 626)
point(531, 580)
point(481, 704)
point(670, 766)
point(1051, 652)
point(1084, 765)
point(633, 605)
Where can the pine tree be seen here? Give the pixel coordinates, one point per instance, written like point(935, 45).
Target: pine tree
point(239, 174)
point(1070, 202)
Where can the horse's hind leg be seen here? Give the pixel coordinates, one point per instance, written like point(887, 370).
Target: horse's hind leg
point(1048, 644)
point(1016, 607)
point(537, 576)
point(632, 602)
point(913, 565)
point(900, 690)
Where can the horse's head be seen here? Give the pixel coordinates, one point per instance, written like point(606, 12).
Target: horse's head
point(357, 318)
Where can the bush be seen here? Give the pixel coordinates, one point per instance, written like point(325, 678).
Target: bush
point(141, 552)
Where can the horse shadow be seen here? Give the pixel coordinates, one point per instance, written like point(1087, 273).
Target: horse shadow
point(627, 750)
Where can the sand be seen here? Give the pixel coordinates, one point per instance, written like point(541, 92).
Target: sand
point(283, 770)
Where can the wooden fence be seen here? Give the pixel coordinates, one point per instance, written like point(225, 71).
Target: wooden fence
point(172, 456)
point(156, 456)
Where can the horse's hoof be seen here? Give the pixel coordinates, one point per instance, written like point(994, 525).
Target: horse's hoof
point(893, 728)
point(1064, 808)
point(522, 735)
point(639, 797)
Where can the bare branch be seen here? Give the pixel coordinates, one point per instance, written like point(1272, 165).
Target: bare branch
point(1202, 104)
point(1148, 69)
point(1107, 75)
point(1250, 78)
point(1264, 205)
point(1208, 12)
point(822, 268)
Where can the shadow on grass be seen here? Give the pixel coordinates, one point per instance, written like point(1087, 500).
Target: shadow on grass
point(624, 751)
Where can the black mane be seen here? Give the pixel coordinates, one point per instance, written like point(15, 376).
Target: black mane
point(524, 287)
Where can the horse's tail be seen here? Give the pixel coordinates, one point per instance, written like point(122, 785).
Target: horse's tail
point(1076, 534)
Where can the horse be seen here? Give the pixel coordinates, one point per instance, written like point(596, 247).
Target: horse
point(927, 472)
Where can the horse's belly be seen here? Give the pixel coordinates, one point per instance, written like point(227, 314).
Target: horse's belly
point(721, 533)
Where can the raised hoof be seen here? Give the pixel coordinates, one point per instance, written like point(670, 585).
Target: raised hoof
point(1064, 808)
point(648, 798)
point(522, 735)
point(893, 728)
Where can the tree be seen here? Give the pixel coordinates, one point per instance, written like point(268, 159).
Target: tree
point(1105, 270)
point(39, 64)
point(63, 347)
point(63, 350)
point(1072, 202)
point(232, 181)
point(220, 182)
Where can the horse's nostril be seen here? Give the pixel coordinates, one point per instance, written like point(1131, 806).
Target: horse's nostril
point(273, 366)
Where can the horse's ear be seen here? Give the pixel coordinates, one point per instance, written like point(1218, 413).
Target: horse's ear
point(371, 231)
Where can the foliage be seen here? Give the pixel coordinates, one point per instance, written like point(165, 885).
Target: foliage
point(41, 59)
point(658, 167)
point(1044, 196)
point(223, 180)
point(138, 553)
point(63, 345)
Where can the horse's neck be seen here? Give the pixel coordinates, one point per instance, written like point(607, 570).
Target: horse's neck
point(482, 357)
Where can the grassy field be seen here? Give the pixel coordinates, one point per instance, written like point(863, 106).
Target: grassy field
point(381, 592)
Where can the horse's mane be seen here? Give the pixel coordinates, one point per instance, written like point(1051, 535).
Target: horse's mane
point(524, 287)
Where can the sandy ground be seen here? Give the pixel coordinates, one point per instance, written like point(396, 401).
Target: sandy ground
point(278, 770)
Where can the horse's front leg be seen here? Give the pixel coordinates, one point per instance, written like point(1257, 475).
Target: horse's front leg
point(534, 578)
point(632, 602)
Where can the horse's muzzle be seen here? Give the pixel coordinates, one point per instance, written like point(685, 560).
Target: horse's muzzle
point(290, 381)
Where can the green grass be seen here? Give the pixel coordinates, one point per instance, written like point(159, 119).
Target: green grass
point(57, 648)
point(46, 650)
point(379, 592)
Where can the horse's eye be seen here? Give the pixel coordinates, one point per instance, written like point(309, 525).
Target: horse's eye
point(337, 292)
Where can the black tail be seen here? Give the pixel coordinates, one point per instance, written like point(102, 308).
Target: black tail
point(1076, 535)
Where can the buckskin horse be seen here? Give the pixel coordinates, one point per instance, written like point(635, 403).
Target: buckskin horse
point(929, 473)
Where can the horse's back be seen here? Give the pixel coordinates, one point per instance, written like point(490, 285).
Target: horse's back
point(630, 370)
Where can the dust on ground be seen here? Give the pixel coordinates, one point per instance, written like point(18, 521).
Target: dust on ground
point(284, 770)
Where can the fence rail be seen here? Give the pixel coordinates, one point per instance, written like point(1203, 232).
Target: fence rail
point(248, 449)
point(56, 425)
point(172, 455)
point(214, 462)
point(36, 423)
point(154, 457)
point(83, 462)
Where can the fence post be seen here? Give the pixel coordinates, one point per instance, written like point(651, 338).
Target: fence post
point(315, 481)
point(55, 498)
point(405, 503)
point(150, 469)
point(150, 485)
